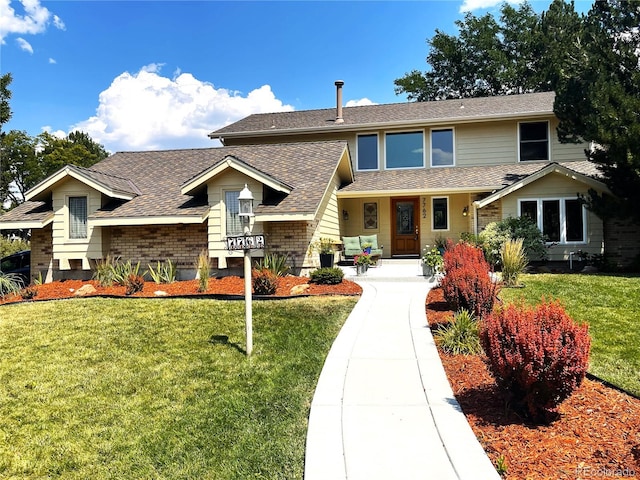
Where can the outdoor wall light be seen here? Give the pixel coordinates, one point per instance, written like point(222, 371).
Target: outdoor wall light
point(345, 215)
point(245, 201)
point(465, 211)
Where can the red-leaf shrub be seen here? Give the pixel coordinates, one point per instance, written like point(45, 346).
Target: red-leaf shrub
point(467, 283)
point(265, 282)
point(538, 356)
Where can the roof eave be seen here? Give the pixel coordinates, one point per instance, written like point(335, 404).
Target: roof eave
point(377, 125)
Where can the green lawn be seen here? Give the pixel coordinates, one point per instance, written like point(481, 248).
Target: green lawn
point(107, 388)
point(610, 304)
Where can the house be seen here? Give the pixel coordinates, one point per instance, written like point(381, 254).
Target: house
point(409, 172)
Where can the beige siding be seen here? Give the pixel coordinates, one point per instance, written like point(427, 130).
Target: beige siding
point(354, 226)
point(328, 224)
point(75, 253)
point(227, 181)
point(486, 143)
point(565, 152)
point(458, 223)
point(559, 186)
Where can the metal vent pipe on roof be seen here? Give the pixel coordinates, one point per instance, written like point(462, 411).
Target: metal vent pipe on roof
point(339, 84)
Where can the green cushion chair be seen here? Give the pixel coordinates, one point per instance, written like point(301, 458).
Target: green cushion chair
point(351, 246)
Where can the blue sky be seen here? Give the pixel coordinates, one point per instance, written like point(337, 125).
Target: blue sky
point(139, 75)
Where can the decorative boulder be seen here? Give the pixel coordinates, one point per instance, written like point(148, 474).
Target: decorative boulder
point(300, 289)
point(85, 290)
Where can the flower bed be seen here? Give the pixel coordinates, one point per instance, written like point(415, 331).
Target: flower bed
point(596, 436)
point(231, 285)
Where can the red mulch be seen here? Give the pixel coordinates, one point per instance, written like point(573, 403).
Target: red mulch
point(596, 436)
point(219, 286)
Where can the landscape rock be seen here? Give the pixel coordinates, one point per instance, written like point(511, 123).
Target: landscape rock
point(300, 289)
point(160, 293)
point(85, 290)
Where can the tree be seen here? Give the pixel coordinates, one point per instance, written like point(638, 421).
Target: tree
point(520, 53)
point(598, 100)
point(29, 160)
point(5, 96)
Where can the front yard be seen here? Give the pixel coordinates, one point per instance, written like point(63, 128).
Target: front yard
point(142, 388)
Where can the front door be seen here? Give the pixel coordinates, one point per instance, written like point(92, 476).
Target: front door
point(405, 227)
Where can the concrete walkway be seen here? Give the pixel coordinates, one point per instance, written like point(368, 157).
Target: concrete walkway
point(383, 408)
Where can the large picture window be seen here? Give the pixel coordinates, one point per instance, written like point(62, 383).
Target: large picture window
point(77, 217)
point(404, 150)
point(442, 148)
point(440, 208)
point(367, 152)
point(560, 220)
point(232, 209)
point(534, 141)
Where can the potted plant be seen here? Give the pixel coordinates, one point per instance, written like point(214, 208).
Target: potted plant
point(431, 261)
point(366, 247)
point(362, 262)
point(324, 247)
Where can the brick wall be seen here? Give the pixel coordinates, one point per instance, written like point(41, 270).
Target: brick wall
point(490, 213)
point(41, 252)
point(622, 242)
point(149, 244)
point(292, 239)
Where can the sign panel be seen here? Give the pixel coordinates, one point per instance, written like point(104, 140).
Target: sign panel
point(245, 242)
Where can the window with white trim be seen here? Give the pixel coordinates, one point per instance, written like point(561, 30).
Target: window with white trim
point(561, 220)
point(442, 152)
point(77, 217)
point(533, 139)
point(440, 215)
point(367, 152)
point(232, 212)
point(404, 150)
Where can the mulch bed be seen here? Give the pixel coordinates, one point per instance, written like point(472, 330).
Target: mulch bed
point(596, 436)
point(231, 286)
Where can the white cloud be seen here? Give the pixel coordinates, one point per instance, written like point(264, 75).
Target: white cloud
point(148, 111)
point(471, 5)
point(34, 20)
point(24, 45)
point(359, 103)
point(52, 61)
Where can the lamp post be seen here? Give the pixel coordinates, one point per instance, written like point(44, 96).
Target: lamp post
point(245, 207)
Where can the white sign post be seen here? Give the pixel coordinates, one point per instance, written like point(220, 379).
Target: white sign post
point(245, 201)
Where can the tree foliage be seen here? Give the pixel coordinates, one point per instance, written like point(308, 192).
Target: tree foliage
point(5, 96)
point(598, 100)
point(27, 160)
point(518, 53)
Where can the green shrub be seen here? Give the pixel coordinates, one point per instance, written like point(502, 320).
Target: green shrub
point(204, 270)
point(497, 233)
point(164, 272)
point(265, 282)
point(7, 247)
point(326, 276)
point(514, 261)
point(460, 336)
point(133, 284)
point(104, 271)
point(275, 263)
point(9, 283)
point(122, 270)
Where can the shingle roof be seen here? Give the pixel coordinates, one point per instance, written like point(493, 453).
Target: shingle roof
point(160, 175)
point(480, 178)
point(28, 212)
point(396, 113)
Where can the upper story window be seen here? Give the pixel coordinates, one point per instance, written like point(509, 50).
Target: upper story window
point(232, 212)
point(78, 217)
point(367, 152)
point(404, 150)
point(533, 141)
point(442, 148)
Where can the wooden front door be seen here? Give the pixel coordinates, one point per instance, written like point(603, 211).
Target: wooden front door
point(405, 235)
